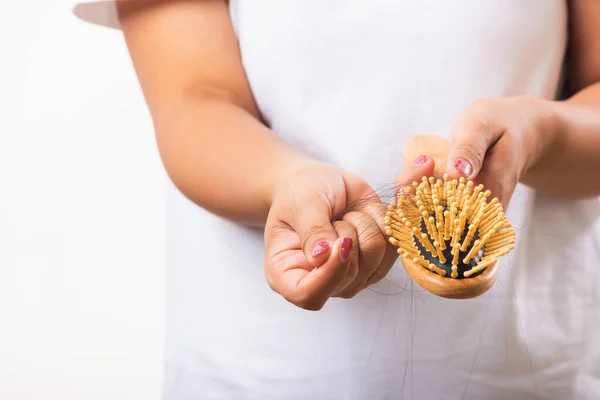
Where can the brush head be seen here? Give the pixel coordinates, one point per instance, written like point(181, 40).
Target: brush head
point(449, 236)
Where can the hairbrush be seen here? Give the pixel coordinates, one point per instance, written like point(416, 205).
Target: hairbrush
point(449, 236)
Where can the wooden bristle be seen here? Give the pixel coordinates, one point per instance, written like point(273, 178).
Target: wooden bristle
point(437, 270)
point(449, 227)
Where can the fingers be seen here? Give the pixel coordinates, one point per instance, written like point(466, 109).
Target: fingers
point(310, 259)
point(436, 147)
point(487, 145)
point(313, 225)
point(305, 259)
point(315, 288)
point(495, 176)
point(346, 229)
point(370, 251)
point(306, 205)
point(420, 167)
point(289, 274)
point(376, 255)
point(472, 136)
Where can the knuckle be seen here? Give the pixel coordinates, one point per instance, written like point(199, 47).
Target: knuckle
point(277, 230)
point(477, 126)
point(375, 244)
point(346, 228)
point(313, 234)
point(480, 126)
point(275, 263)
point(472, 151)
point(367, 232)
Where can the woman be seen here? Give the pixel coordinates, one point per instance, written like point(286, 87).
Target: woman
point(277, 119)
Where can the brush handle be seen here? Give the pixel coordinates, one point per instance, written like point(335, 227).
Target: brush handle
point(435, 147)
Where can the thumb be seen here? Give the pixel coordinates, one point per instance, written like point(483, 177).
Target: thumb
point(421, 166)
point(313, 225)
point(469, 144)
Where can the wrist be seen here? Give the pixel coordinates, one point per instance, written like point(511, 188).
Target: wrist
point(544, 136)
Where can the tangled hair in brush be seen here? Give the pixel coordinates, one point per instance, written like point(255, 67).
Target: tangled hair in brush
point(452, 233)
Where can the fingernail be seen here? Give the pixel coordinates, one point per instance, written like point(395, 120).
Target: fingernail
point(422, 159)
point(464, 167)
point(319, 248)
point(345, 248)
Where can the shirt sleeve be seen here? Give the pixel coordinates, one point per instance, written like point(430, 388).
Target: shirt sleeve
point(99, 12)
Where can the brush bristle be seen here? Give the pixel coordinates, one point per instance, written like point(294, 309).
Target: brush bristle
point(449, 227)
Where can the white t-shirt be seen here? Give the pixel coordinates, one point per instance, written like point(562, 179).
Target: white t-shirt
point(379, 72)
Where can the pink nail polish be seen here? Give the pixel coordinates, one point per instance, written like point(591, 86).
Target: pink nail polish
point(345, 248)
point(464, 167)
point(422, 159)
point(319, 248)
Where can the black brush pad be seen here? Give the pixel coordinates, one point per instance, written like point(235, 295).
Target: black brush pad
point(462, 267)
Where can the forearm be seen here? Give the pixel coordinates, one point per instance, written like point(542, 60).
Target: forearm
point(222, 158)
point(570, 164)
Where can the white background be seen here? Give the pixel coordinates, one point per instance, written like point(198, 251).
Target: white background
point(81, 213)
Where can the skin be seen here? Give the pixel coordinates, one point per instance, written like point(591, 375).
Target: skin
point(321, 241)
point(552, 146)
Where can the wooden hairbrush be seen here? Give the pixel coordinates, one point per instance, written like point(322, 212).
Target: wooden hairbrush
point(449, 236)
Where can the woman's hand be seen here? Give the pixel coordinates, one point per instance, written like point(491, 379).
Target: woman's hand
point(325, 234)
point(497, 141)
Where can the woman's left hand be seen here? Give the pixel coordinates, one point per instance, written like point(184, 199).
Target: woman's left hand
point(496, 141)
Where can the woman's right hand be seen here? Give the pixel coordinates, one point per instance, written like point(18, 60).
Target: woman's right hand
point(325, 234)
